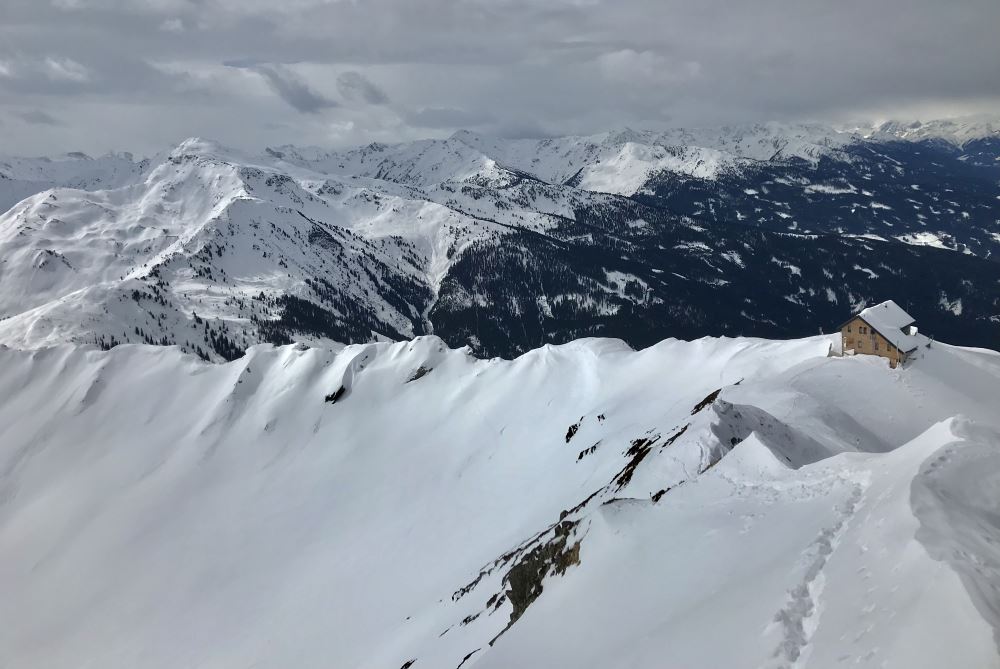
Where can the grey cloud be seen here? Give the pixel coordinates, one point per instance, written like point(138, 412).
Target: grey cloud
point(447, 117)
point(37, 117)
point(293, 90)
point(172, 25)
point(355, 86)
point(44, 72)
point(542, 66)
point(62, 76)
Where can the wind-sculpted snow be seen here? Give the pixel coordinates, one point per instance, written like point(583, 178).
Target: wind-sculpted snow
point(955, 499)
point(585, 505)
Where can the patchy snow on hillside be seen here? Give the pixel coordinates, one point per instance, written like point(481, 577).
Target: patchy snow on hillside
point(585, 505)
point(827, 189)
point(954, 306)
point(792, 269)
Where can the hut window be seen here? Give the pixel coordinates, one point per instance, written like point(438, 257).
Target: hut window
point(848, 328)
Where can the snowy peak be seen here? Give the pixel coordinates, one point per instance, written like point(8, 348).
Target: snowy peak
point(626, 171)
point(591, 162)
point(65, 168)
point(419, 164)
point(212, 249)
point(959, 131)
point(21, 177)
point(104, 236)
point(473, 139)
point(468, 156)
point(196, 147)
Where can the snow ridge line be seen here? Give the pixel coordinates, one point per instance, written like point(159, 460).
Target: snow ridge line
point(800, 615)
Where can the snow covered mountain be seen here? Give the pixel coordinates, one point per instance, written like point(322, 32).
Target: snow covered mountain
point(505, 245)
point(960, 132)
point(614, 162)
point(368, 489)
point(715, 503)
point(21, 177)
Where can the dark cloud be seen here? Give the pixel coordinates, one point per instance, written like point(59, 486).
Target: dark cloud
point(293, 90)
point(355, 86)
point(546, 66)
point(37, 117)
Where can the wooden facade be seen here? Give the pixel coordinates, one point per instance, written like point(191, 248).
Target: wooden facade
point(858, 336)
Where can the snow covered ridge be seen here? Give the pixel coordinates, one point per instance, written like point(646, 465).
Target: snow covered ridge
point(955, 131)
point(585, 505)
point(21, 177)
point(622, 162)
point(698, 152)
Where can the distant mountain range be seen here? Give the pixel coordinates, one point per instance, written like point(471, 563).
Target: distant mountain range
point(765, 230)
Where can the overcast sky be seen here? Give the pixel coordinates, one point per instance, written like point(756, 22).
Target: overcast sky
point(141, 75)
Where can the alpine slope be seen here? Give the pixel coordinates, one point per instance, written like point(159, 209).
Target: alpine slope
point(723, 502)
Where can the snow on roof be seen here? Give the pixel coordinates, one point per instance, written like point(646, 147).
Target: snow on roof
point(889, 319)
